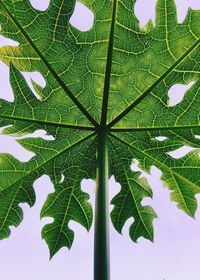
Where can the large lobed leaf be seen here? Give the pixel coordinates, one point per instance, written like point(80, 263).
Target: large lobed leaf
point(117, 74)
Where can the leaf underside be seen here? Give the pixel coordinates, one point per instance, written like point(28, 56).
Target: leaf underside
point(116, 75)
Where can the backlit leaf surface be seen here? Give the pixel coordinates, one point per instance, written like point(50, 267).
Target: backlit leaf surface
point(117, 76)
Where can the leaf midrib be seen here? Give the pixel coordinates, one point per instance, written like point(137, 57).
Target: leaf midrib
point(47, 123)
point(109, 65)
point(138, 129)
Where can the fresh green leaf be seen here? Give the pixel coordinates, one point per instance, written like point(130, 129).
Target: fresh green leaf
point(114, 79)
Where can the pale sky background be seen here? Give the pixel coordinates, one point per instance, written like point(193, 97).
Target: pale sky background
point(173, 256)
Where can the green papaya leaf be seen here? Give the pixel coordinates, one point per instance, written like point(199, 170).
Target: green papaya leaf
point(106, 93)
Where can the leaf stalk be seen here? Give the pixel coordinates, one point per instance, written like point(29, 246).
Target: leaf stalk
point(101, 237)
